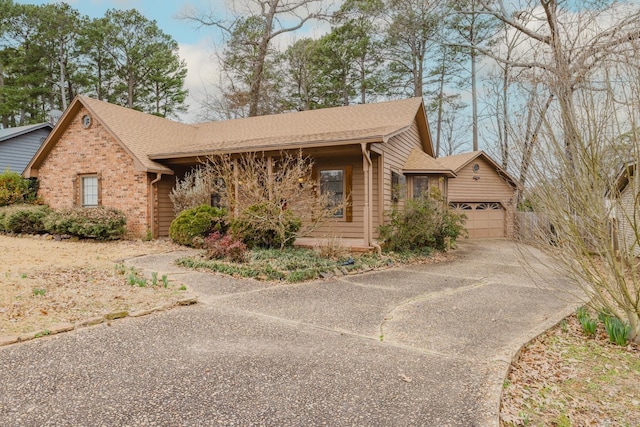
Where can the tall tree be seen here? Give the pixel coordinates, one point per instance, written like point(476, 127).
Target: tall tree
point(474, 28)
point(271, 18)
point(412, 27)
point(140, 51)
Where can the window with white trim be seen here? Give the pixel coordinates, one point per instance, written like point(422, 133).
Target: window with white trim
point(89, 191)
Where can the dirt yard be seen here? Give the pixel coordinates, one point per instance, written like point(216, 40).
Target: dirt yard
point(44, 282)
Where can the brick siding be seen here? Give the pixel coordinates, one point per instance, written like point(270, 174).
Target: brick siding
point(94, 151)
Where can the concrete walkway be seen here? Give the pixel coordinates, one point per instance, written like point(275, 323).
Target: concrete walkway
point(421, 345)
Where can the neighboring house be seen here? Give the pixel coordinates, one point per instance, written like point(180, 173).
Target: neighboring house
point(626, 208)
point(19, 144)
point(103, 154)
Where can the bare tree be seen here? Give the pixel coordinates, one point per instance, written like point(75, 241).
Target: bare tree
point(267, 192)
point(256, 27)
point(588, 61)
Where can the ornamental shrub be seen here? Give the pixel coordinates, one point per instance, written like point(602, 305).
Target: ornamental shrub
point(196, 223)
point(95, 223)
point(266, 225)
point(16, 189)
point(421, 223)
point(28, 219)
point(225, 246)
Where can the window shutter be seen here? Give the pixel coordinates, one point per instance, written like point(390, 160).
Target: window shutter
point(348, 185)
point(76, 191)
point(99, 174)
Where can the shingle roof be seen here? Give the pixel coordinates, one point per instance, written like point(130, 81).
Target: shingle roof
point(458, 161)
point(139, 132)
point(21, 130)
point(149, 138)
point(420, 162)
point(330, 126)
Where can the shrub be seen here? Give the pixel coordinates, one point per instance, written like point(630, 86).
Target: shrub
point(96, 223)
point(225, 246)
point(421, 223)
point(197, 223)
point(16, 189)
point(27, 219)
point(193, 190)
point(265, 225)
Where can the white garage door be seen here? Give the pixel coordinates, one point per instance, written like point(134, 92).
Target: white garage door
point(485, 219)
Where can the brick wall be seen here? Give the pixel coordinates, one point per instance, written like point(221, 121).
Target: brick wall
point(93, 151)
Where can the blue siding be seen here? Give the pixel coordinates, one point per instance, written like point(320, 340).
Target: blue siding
point(16, 153)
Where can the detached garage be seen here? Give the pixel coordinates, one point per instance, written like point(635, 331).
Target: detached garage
point(484, 192)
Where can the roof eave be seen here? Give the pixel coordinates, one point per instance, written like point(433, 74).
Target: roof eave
point(270, 147)
point(446, 172)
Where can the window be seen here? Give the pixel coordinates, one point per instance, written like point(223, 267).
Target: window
point(398, 185)
point(420, 186)
point(89, 194)
point(332, 183)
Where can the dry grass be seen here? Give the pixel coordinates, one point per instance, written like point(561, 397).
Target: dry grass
point(43, 282)
point(565, 379)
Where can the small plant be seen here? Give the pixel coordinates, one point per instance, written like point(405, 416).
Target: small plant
point(225, 246)
point(149, 236)
point(588, 324)
point(43, 333)
point(182, 288)
point(154, 278)
point(617, 330)
point(332, 248)
point(564, 326)
point(165, 281)
point(23, 275)
point(120, 269)
point(39, 291)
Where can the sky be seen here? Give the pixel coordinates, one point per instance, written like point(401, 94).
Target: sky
point(196, 45)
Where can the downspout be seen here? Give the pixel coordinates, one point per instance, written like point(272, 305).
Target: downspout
point(367, 165)
point(153, 203)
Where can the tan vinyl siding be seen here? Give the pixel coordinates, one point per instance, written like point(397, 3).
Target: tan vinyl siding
point(396, 152)
point(490, 187)
point(165, 206)
point(339, 227)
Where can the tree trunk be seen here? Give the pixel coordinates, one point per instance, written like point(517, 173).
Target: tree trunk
point(258, 68)
point(440, 102)
point(63, 95)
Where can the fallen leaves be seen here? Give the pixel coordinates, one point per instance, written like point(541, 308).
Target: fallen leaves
point(564, 378)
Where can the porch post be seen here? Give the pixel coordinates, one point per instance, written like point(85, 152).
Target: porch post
point(367, 215)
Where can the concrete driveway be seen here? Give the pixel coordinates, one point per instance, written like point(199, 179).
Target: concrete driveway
point(413, 346)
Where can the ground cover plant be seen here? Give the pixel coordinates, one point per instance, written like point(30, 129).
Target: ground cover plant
point(563, 378)
point(301, 264)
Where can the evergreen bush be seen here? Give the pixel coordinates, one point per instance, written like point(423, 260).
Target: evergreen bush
point(421, 223)
point(96, 223)
point(27, 219)
point(265, 225)
point(196, 223)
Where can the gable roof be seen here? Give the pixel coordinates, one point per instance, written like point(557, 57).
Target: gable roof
point(420, 162)
point(9, 133)
point(622, 179)
point(458, 161)
point(149, 138)
point(314, 128)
